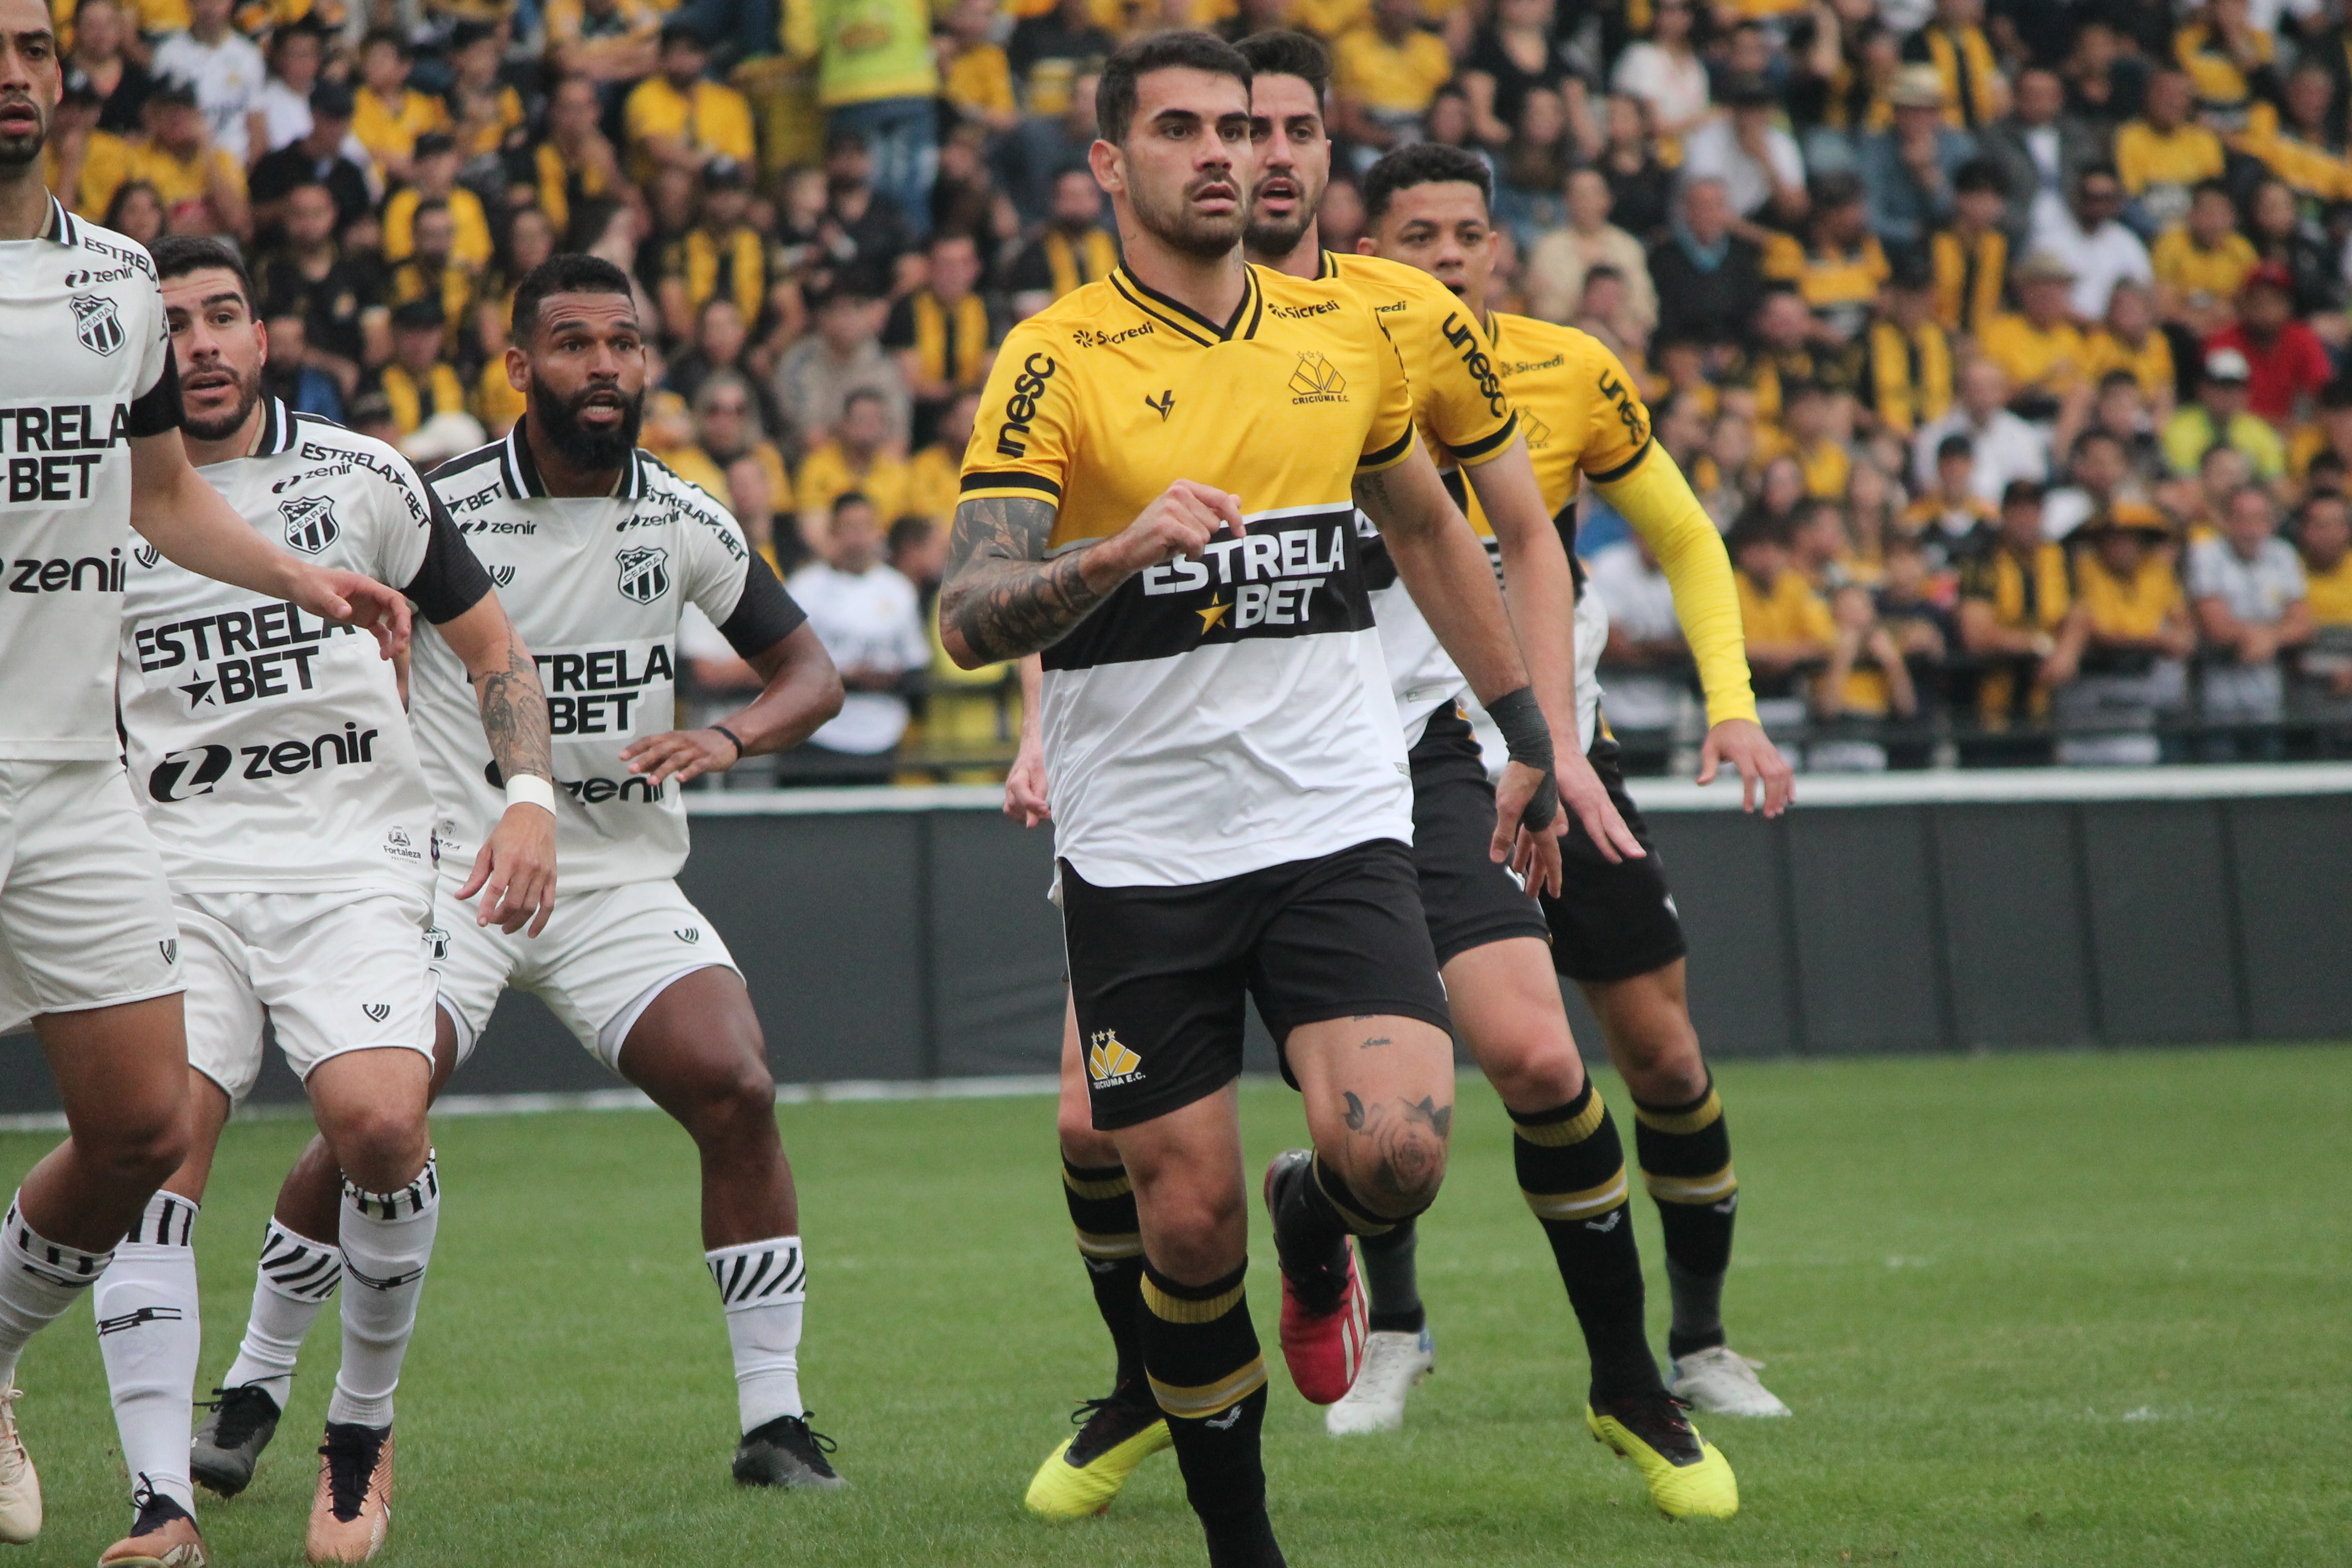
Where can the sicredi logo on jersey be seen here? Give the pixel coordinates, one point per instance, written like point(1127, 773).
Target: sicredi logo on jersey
point(53, 450)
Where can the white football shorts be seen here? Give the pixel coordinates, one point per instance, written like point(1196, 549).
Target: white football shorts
point(605, 954)
point(335, 972)
point(85, 913)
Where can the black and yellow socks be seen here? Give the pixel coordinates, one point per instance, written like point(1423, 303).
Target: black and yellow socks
point(1110, 1241)
point(1314, 1214)
point(1572, 1170)
point(1685, 1154)
point(1391, 1281)
point(1209, 1376)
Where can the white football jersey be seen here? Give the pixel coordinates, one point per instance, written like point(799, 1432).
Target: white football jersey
point(85, 364)
point(268, 747)
point(596, 586)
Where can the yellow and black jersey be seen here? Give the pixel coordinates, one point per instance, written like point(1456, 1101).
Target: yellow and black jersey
point(414, 401)
point(1963, 57)
point(1969, 277)
point(1769, 372)
point(1458, 402)
point(1909, 383)
point(2149, 362)
point(1058, 262)
point(562, 188)
point(1216, 716)
point(1584, 418)
point(951, 343)
point(2053, 359)
point(2132, 608)
point(1842, 286)
point(2317, 171)
point(709, 265)
point(2023, 596)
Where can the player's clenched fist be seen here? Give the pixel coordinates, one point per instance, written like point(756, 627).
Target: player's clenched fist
point(1180, 522)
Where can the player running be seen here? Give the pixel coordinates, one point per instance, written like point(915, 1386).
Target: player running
point(89, 422)
point(1488, 936)
point(276, 768)
point(1161, 496)
point(599, 548)
point(1614, 928)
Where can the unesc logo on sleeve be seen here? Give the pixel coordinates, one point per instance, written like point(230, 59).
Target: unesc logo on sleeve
point(1110, 1064)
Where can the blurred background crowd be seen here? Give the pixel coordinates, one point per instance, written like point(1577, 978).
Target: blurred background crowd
point(2001, 338)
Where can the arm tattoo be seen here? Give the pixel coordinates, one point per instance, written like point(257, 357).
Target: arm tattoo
point(514, 717)
point(1002, 594)
point(1372, 495)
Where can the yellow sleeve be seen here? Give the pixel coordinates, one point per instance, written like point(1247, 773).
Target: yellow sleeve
point(1619, 434)
point(1390, 440)
point(1657, 500)
point(643, 116)
point(1464, 403)
point(400, 224)
point(1024, 442)
point(729, 129)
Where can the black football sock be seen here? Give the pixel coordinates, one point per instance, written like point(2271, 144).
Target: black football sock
point(1392, 1280)
point(1110, 1241)
point(1314, 1214)
point(1685, 1154)
point(1209, 1376)
point(1573, 1173)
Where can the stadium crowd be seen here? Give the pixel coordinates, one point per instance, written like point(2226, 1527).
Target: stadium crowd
point(2002, 342)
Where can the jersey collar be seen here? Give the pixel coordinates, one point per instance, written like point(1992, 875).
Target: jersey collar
point(520, 472)
point(1185, 320)
point(277, 435)
point(61, 227)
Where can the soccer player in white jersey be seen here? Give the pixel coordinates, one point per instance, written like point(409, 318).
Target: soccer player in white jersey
point(91, 451)
point(598, 549)
point(275, 765)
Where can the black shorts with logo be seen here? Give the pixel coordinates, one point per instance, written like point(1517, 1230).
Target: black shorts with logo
point(1467, 898)
point(1158, 974)
point(1611, 922)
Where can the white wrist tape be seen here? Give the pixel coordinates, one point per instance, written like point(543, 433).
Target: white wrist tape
point(529, 789)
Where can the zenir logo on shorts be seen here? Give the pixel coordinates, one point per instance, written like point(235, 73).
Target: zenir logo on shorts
point(1110, 1064)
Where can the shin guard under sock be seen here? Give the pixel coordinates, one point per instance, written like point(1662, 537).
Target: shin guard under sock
point(151, 1339)
point(1209, 1377)
point(1572, 1170)
point(1110, 1242)
point(295, 1277)
point(387, 1240)
point(39, 1278)
point(1685, 1154)
point(1392, 1280)
point(763, 1289)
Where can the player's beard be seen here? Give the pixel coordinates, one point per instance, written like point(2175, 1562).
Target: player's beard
point(20, 148)
point(594, 450)
point(248, 393)
point(1272, 237)
point(1181, 227)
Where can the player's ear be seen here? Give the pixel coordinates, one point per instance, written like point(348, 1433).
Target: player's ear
point(1109, 166)
point(518, 369)
point(262, 338)
point(1366, 245)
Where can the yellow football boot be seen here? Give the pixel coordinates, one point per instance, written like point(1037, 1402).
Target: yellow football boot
point(1687, 1478)
point(1082, 1476)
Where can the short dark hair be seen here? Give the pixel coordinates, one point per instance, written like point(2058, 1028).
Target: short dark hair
point(389, 39)
point(865, 395)
point(570, 273)
point(177, 254)
point(1422, 163)
point(1283, 52)
point(848, 498)
point(1981, 174)
point(1115, 94)
point(1956, 445)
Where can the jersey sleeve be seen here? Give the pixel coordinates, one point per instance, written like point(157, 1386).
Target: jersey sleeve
point(1657, 500)
point(1388, 441)
point(731, 584)
point(448, 578)
point(155, 405)
point(1464, 405)
point(1024, 440)
point(1619, 435)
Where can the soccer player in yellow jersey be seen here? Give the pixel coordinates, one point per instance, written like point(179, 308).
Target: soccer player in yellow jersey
point(1160, 496)
point(1614, 928)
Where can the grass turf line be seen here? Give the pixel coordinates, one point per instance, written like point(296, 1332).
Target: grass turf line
point(2047, 1310)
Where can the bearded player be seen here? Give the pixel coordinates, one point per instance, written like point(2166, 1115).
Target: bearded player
point(602, 547)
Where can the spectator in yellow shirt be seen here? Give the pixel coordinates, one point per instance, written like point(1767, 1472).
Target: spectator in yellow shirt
point(678, 120)
point(1975, 92)
point(1383, 76)
point(2162, 155)
point(2130, 341)
point(2222, 51)
point(2300, 138)
point(975, 78)
point(387, 115)
point(2200, 266)
point(433, 170)
point(607, 41)
point(574, 162)
point(727, 427)
point(935, 474)
point(432, 272)
point(487, 113)
point(857, 458)
point(1907, 376)
point(2040, 348)
point(2323, 690)
point(201, 186)
point(85, 165)
point(721, 254)
point(419, 383)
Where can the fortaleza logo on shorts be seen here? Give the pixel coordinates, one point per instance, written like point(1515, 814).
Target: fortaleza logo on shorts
point(310, 525)
point(645, 572)
point(399, 845)
point(1110, 1064)
point(97, 323)
point(436, 944)
point(1318, 380)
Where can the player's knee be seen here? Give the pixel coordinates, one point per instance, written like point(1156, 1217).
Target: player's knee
point(1197, 1236)
point(380, 1147)
point(735, 1104)
point(1662, 1065)
point(1081, 1145)
point(143, 1148)
point(1405, 1175)
point(1536, 1071)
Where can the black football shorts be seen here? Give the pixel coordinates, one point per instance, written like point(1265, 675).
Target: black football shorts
point(1612, 920)
point(1158, 974)
point(1468, 899)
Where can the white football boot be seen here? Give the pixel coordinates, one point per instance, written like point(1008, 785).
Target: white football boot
point(20, 1486)
point(1392, 1364)
point(1722, 1382)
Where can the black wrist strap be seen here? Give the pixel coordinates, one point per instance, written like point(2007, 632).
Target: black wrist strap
point(1526, 736)
point(732, 736)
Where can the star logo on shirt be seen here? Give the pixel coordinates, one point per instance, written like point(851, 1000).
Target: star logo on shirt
point(199, 692)
point(1211, 616)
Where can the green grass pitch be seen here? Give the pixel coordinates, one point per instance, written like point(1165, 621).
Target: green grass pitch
point(2069, 1311)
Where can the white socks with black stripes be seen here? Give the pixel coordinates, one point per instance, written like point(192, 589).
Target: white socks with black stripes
point(39, 1278)
point(387, 1239)
point(151, 1339)
point(296, 1277)
point(763, 1285)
